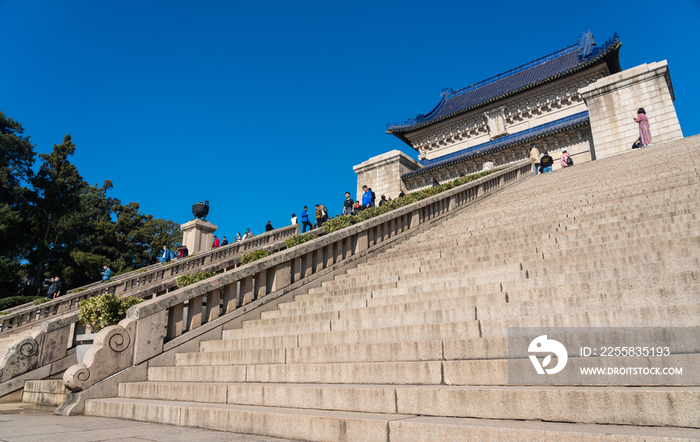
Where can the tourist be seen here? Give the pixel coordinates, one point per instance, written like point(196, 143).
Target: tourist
point(324, 214)
point(347, 204)
point(106, 273)
point(644, 129)
point(366, 197)
point(546, 163)
point(185, 252)
point(374, 197)
point(401, 194)
point(167, 255)
point(215, 244)
point(305, 219)
point(382, 201)
point(248, 234)
point(566, 160)
point(60, 288)
point(224, 242)
point(294, 219)
point(435, 182)
point(357, 207)
point(268, 227)
point(535, 157)
point(238, 237)
point(52, 289)
point(319, 216)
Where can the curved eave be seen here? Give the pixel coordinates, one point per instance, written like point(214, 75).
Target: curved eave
point(613, 66)
point(491, 151)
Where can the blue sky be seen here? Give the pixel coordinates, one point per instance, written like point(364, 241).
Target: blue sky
point(264, 107)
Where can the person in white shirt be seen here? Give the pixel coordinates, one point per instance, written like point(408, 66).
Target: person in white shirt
point(294, 219)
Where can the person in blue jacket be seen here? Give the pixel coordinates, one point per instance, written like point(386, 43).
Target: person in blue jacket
point(106, 273)
point(305, 219)
point(366, 197)
point(167, 256)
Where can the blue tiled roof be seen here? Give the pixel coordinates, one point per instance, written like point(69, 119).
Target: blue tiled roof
point(525, 136)
point(551, 67)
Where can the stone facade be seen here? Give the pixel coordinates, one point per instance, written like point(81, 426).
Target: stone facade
point(523, 111)
point(383, 173)
point(198, 235)
point(613, 102)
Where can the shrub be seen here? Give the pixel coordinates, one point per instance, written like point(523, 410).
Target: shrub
point(104, 310)
point(299, 239)
point(185, 280)
point(82, 289)
point(14, 301)
point(344, 221)
point(41, 300)
point(254, 256)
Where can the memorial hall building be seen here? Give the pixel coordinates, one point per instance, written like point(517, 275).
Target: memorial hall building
point(577, 98)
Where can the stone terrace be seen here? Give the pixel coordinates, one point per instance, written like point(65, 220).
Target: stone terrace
point(412, 344)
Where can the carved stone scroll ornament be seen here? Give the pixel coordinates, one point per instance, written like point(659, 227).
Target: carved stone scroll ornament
point(22, 356)
point(111, 352)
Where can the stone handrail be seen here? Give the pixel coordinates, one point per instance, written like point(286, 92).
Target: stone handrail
point(157, 324)
point(126, 284)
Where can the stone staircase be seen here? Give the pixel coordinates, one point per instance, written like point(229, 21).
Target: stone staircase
point(412, 344)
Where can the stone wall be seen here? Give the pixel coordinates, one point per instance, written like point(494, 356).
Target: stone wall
point(197, 235)
point(613, 102)
point(383, 173)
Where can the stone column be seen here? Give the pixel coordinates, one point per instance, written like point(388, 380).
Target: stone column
point(198, 235)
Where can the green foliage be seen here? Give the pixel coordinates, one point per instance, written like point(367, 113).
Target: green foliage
point(82, 289)
point(41, 300)
point(104, 310)
point(185, 280)
point(254, 256)
point(344, 221)
point(299, 239)
point(14, 301)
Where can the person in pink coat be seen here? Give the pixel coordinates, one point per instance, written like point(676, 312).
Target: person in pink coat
point(644, 130)
point(565, 158)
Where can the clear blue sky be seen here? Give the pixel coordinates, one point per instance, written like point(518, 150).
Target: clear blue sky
point(263, 107)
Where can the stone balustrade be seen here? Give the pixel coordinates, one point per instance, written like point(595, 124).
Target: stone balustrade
point(161, 324)
point(50, 350)
point(124, 285)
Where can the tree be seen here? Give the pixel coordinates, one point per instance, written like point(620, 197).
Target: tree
point(57, 189)
point(16, 160)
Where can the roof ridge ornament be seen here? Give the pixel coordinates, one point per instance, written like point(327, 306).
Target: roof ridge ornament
point(586, 45)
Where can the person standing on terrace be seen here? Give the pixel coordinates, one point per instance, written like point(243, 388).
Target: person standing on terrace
point(305, 219)
point(644, 129)
point(268, 227)
point(347, 204)
point(366, 197)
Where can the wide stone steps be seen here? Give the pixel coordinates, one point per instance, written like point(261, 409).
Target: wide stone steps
point(332, 426)
point(412, 344)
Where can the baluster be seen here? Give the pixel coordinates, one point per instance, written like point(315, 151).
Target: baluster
point(247, 290)
point(261, 283)
point(175, 321)
point(194, 312)
point(230, 297)
point(213, 304)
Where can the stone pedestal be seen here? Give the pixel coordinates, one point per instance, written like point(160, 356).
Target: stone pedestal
point(613, 102)
point(383, 174)
point(198, 235)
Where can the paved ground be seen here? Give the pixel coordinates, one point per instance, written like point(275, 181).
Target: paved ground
point(30, 423)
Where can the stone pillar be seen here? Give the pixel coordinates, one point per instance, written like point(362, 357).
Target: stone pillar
point(613, 102)
point(198, 235)
point(383, 174)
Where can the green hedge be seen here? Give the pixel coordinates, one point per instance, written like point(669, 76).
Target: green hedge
point(185, 280)
point(104, 310)
point(254, 256)
point(341, 222)
point(299, 239)
point(14, 301)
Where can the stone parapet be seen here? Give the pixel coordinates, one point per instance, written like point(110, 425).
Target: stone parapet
point(613, 102)
point(383, 173)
